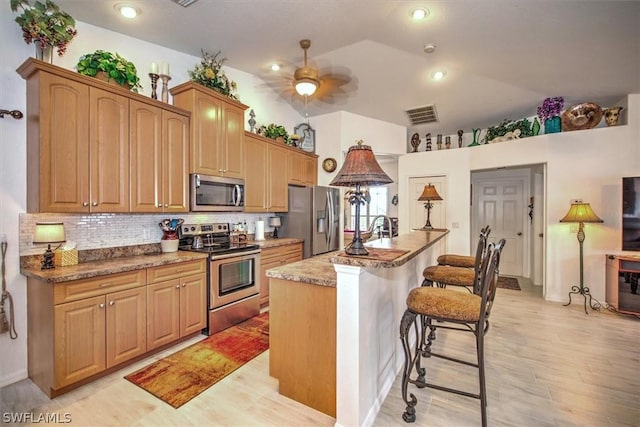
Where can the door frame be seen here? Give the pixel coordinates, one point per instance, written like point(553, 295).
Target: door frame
point(533, 255)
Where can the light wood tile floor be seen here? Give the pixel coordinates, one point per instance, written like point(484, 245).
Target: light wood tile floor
point(547, 365)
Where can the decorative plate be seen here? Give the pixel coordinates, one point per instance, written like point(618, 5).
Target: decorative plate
point(329, 164)
point(581, 116)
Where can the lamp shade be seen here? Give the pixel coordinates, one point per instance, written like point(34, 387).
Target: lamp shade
point(360, 167)
point(49, 232)
point(429, 193)
point(580, 212)
point(274, 221)
point(306, 87)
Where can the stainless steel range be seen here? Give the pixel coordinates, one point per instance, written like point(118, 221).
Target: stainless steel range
point(233, 273)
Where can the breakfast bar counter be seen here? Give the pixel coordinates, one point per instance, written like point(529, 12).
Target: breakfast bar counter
point(334, 322)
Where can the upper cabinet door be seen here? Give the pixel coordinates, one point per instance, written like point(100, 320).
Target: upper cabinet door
point(109, 152)
point(233, 142)
point(59, 182)
point(146, 157)
point(175, 160)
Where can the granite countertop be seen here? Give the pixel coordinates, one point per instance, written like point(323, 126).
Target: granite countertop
point(270, 242)
point(319, 270)
point(103, 267)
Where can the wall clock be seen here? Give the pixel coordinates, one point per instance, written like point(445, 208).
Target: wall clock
point(307, 140)
point(329, 164)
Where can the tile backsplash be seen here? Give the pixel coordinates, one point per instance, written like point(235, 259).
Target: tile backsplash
point(97, 231)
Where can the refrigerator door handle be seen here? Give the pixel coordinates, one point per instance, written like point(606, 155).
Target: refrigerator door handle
point(327, 215)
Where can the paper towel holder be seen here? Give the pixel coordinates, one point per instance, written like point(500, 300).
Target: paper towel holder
point(274, 222)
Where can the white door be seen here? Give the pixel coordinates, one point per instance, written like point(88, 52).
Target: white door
point(418, 213)
point(500, 204)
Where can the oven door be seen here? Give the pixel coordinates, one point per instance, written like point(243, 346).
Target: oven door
point(234, 277)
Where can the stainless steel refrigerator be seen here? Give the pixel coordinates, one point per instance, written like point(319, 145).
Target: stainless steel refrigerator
point(313, 216)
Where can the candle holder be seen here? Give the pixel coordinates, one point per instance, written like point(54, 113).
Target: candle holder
point(165, 87)
point(154, 85)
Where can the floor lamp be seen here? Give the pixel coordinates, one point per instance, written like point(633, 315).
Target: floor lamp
point(428, 194)
point(581, 213)
point(360, 167)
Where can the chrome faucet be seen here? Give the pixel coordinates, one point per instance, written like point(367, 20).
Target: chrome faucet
point(373, 225)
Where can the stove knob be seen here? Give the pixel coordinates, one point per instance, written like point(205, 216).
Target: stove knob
point(186, 229)
point(193, 228)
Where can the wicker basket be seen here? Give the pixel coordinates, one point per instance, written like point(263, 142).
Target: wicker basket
point(65, 257)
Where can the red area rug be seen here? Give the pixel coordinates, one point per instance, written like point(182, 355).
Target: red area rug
point(180, 377)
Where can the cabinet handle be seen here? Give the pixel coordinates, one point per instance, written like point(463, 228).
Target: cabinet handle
point(184, 285)
point(85, 204)
point(166, 205)
point(101, 305)
point(111, 302)
point(159, 205)
point(178, 286)
point(104, 285)
point(219, 170)
point(94, 204)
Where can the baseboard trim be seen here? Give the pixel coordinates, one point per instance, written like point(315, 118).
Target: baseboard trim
point(14, 377)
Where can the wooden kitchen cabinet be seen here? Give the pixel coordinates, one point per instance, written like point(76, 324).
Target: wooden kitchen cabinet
point(217, 130)
point(80, 328)
point(266, 178)
point(276, 256)
point(303, 168)
point(159, 160)
point(176, 302)
point(79, 148)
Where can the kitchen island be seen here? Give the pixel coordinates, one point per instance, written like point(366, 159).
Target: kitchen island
point(334, 324)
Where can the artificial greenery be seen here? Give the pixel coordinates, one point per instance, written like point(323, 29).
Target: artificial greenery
point(45, 22)
point(209, 73)
point(115, 66)
point(274, 131)
point(506, 126)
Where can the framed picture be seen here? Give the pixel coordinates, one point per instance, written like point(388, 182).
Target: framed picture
point(307, 141)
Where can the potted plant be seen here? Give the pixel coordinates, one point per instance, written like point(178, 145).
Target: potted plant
point(112, 66)
point(274, 131)
point(45, 25)
point(209, 74)
point(549, 113)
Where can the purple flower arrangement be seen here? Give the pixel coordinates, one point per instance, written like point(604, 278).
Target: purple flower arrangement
point(551, 107)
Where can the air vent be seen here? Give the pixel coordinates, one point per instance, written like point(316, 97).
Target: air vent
point(184, 3)
point(422, 115)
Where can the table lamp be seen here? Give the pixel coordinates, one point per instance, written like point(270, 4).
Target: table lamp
point(428, 194)
point(360, 167)
point(581, 212)
point(48, 232)
point(274, 222)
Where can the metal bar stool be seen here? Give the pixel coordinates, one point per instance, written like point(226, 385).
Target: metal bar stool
point(465, 261)
point(460, 275)
point(453, 310)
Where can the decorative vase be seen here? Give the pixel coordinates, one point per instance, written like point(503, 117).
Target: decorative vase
point(169, 245)
point(535, 129)
point(44, 52)
point(553, 125)
point(476, 136)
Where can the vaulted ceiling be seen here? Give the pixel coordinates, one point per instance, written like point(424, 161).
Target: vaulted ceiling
point(501, 58)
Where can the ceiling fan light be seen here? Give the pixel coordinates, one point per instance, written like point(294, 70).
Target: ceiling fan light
point(127, 10)
point(306, 87)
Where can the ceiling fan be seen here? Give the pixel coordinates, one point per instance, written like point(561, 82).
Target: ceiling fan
point(311, 84)
point(305, 79)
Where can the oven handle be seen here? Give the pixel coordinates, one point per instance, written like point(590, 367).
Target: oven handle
point(235, 254)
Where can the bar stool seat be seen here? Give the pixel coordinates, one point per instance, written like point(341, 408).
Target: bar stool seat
point(445, 275)
point(443, 303)
point(464, 261)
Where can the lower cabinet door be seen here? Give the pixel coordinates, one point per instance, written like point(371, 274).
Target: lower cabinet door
point(79, 340)
point(163, 313)
point(126, 325)
point(193, 304)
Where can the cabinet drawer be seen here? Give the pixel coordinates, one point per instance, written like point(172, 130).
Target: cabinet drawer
point(174, 271)
point(80, 289)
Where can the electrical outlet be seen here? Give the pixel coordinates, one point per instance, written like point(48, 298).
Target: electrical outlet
point(455, 225)
point(146, 234)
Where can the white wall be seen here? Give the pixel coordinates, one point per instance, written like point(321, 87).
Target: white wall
point(583, 165)
point(268, 106)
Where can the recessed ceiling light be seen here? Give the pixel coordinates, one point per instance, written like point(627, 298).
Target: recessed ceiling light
point(429, 48)
point(127, 10)
point(419, 13)
point(438, 75)
point(275, 67)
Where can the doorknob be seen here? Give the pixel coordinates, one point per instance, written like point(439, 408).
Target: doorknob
point(520, 234)
point(540, 235)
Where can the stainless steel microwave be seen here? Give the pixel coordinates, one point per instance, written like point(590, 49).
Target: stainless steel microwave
point(215, 194)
